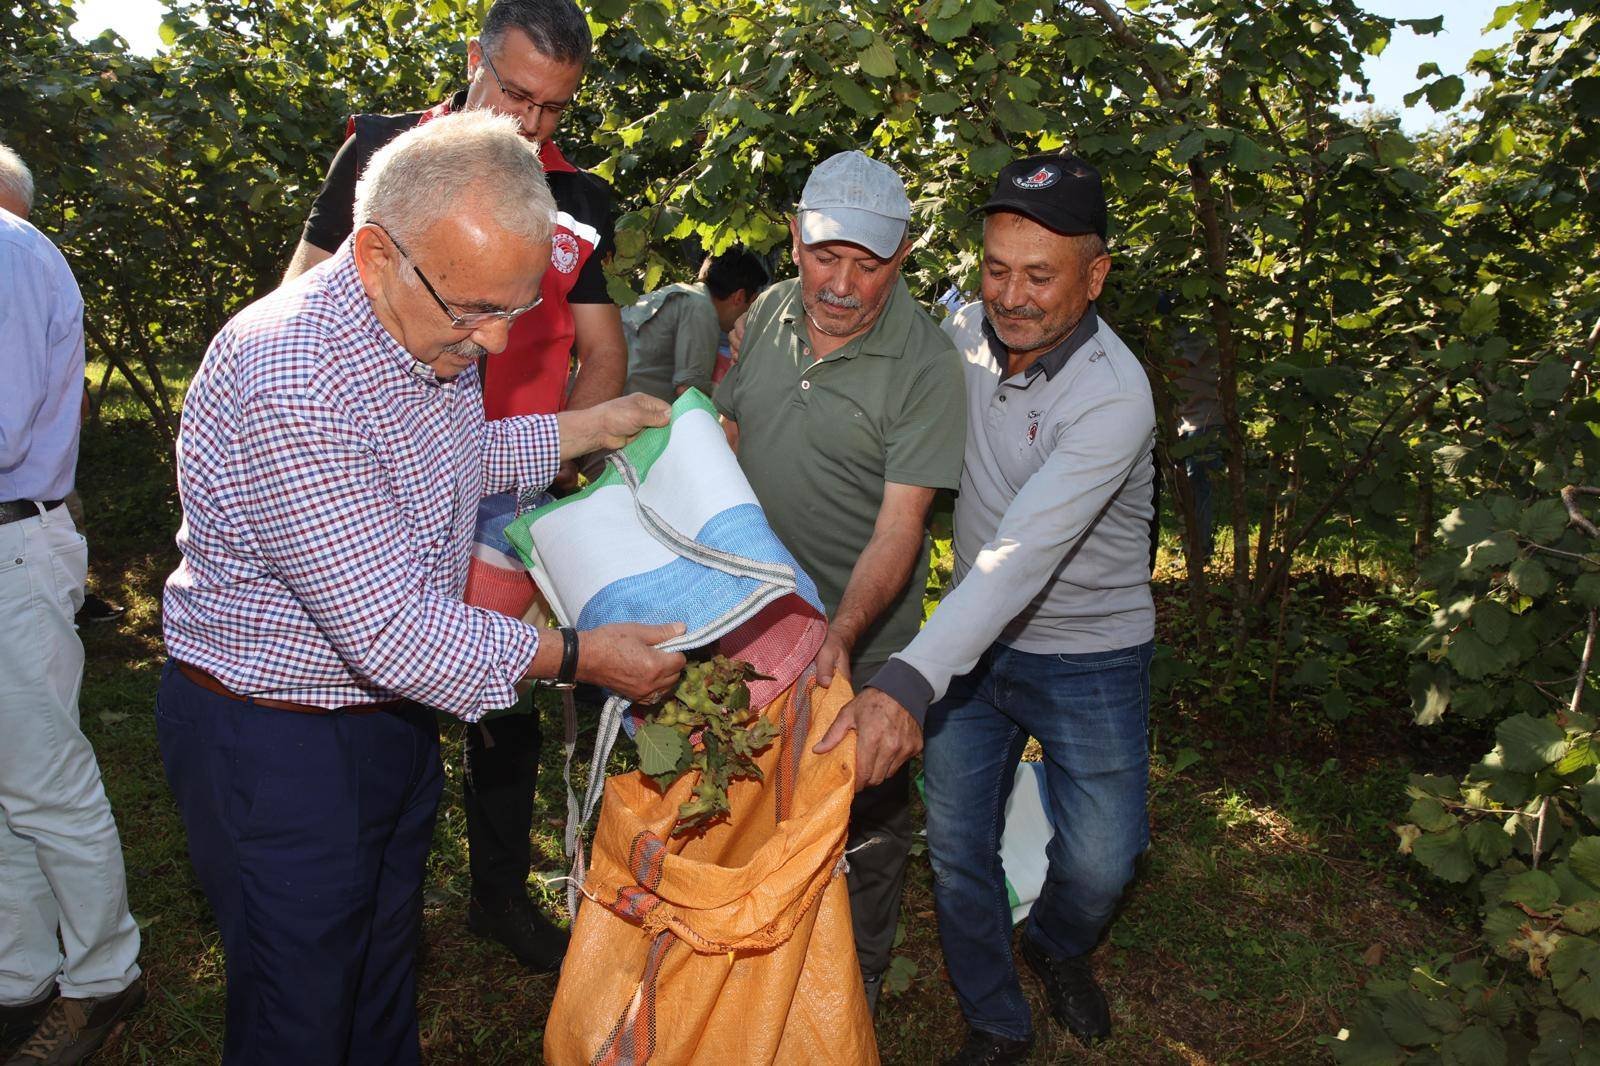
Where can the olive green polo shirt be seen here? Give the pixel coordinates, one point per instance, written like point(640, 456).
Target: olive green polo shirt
point(672, 340)
point(818, 440)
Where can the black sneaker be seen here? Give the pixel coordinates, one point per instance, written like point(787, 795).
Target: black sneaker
point(1076, 1002)
point(73, 1029)
point(519, 925)
point(990, 1049)
point(95, 609)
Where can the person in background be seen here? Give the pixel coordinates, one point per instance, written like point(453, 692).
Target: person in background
point(331, 457)
point(16, 196)
point(846, 410)
point(1194, 387)
point(61, 870)
point(674, 332)
point(1048, 630)
point(526, 62)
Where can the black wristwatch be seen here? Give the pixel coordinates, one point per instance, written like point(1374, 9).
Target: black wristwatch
point(567, 676)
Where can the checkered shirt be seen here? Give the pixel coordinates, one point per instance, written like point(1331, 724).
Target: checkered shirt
point(329, 485)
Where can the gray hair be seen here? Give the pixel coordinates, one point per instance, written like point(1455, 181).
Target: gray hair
point(16, 177)
point(1090, 246)
point(557, 28)
point(474, 160)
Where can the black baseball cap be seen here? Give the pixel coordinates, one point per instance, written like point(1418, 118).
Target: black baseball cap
point(1060, 192)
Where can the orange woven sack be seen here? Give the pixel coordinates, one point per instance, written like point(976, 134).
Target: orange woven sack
point(727, 947)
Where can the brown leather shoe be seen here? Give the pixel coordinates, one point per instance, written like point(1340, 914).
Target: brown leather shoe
point(73, 1029)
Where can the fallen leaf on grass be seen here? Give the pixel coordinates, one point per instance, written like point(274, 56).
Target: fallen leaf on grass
point(898, 979)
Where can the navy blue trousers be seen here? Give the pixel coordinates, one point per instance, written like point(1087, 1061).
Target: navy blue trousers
point(309, 835)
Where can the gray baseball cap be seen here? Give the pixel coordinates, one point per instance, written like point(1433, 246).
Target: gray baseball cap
point(850, 197)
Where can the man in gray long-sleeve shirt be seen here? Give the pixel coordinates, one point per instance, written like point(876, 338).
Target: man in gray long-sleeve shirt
point(1048, 631)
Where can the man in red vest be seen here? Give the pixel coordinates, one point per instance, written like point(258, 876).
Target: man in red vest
point(527, 61)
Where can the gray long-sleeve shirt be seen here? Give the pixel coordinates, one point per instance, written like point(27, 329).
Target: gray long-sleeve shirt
point(1052, 528)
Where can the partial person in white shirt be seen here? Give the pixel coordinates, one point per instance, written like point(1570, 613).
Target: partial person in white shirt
point(61, 871)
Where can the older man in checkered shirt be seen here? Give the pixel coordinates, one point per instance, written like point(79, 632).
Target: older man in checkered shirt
point(331, 459)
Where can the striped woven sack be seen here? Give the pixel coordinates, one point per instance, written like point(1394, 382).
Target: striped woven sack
point(671, 532)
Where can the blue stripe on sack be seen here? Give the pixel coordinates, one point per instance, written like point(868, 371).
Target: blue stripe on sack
point(495, 513)
point(663, 594)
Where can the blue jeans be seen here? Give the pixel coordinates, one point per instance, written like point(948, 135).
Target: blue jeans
point(310, 836)
point(1090, 714)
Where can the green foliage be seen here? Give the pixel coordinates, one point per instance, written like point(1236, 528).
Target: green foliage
point(1514, 579)
point(707, 727)
point(176, 184)
point(1405, 326)
point(1310, 250)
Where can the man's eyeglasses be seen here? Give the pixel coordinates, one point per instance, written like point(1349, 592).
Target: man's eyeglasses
point(521, 99)
point(472, 319)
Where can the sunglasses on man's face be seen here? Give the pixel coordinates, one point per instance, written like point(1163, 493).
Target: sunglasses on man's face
point(472, 319)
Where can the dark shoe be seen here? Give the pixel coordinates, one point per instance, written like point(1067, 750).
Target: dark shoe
point(95, 609)
point(873, 983)
point(73, 1029)
point(20, 1020)
point(990, 1049)
point(1076, 1002)
point(536, 941)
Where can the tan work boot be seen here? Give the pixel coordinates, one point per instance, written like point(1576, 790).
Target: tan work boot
point(73, 1029)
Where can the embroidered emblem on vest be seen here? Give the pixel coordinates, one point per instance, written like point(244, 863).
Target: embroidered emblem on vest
point(564, 252)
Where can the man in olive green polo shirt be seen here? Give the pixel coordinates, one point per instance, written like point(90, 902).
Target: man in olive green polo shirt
point(848, 412)
point(673, 333)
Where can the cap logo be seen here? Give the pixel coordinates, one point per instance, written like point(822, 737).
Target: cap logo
point(1042, 178)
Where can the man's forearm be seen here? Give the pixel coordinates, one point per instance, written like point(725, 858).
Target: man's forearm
point(601, 375)
point(598, 383)
point(580, 432)
point(880, 575)
point(547, 659)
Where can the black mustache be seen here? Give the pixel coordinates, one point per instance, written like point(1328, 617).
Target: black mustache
point(1031, 314)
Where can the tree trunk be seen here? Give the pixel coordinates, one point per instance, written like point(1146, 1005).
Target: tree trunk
point(1183, 488)
point(165, 422)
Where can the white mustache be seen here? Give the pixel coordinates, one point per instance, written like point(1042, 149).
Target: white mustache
point(846, 303)
point(466, 349)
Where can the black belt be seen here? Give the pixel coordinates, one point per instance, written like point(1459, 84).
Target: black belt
point(17, 510)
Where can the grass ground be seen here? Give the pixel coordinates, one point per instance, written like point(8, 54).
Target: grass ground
point(1270, 895)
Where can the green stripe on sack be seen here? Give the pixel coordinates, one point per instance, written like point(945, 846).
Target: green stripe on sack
point(643, 451)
